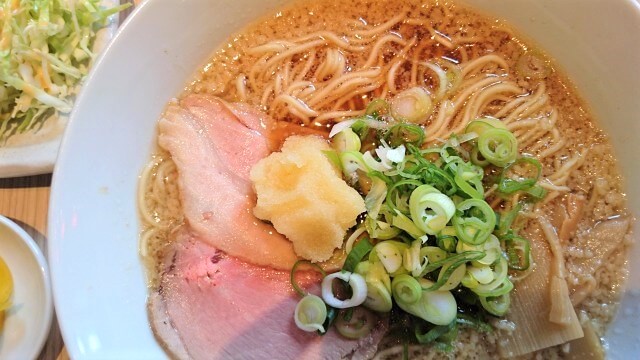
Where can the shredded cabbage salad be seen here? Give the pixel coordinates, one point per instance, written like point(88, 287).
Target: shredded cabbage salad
point(45, 52)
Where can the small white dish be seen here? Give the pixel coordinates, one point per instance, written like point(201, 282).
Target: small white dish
point(27, 321)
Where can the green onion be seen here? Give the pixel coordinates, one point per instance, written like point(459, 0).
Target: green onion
point(358, 290)
point(374, 164)
point(412, 105)
point(448, 231)
point(331, 316)
point(474, 323)
point(518, 252)
point(360, 126)
point(412, 261)
point(403, 134)
point(469, 172)
point(469, 282)
point(348, 245)
point(498, 146)
point(408, 168)
point(436, 307)
point(481, 125)
point(346, 140)
point(537, 192)
point(491, 249)
point(376, 196)
point(445, 341)
point(447, 242)
point(394, 194)
point(449, 80)
point(403, 222)
point(434, 333)
point(504, 288)
point(351, 162)
point(292, 275)
point(390, 255)
point(430, 209)
point(416, 166)
point(482, 274)
point(333, 157)
point(378, 297)
point(359, 251)
point(434, 232)
point(449, 150)
point(374, 272)
point(506, 221)
point(366, 127)
point(509, 185)
point(477, 158)
point(440, 179)
point(501, 283)
point(381, 230)
point(458, 258)
point(434, 255)
point(451, 279)
point(355, 323)
point(406, 289)
point(476, 191)
point(377, 108)
point(310, 314)
point(474, 221)
point(497, 306)
point(449, 266)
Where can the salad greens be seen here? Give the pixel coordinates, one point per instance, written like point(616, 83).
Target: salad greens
point(45, 52)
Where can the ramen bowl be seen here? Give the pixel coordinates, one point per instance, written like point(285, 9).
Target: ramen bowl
point(98, 278)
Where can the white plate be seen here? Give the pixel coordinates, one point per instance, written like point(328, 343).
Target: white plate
point(28, 320)
point(98, 280)
point(36, 153)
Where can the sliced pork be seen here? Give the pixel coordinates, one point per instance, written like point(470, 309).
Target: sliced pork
point(214, 146)
point(219, 295)
point(213, 306)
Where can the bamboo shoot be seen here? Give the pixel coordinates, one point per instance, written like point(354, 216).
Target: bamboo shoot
point(574, 210)
point(600, 242)
point(587, 348)
point(530, 306)
point(561, 308)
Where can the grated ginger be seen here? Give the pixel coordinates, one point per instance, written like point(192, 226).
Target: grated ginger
point(305, 198)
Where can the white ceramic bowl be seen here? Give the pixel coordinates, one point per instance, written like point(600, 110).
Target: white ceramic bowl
point(28, 320)
point(98, 280)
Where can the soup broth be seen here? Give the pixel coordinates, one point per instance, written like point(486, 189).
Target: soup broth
point(317, 63)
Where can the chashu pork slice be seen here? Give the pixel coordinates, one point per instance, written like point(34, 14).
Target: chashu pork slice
point(214, 145)
point(213, 306)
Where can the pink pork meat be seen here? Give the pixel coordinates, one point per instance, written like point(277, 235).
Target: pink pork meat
point(213, 306)
point(220, 294)
point(214, 145)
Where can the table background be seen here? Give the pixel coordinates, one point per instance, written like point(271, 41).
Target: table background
point(25, 200)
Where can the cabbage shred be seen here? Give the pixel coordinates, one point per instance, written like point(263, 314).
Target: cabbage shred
point(45, 53)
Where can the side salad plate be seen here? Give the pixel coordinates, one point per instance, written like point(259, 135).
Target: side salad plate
point(42, 73)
